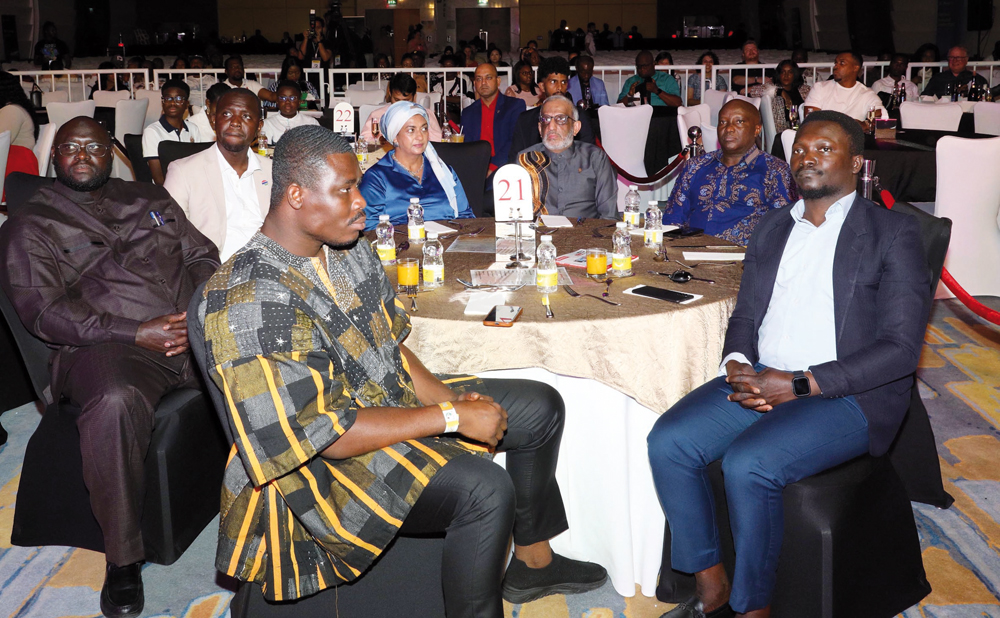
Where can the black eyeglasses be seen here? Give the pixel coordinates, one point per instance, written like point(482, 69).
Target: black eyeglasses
point(560, 119)
point(69, 149)
point(179, 98)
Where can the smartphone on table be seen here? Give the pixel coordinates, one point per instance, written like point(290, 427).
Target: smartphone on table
point(502, 315)
point(659, 293)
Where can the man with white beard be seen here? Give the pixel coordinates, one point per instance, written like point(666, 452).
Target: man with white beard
point(569, 178)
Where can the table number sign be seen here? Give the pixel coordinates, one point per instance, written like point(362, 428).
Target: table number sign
point(512, 204)
point(343, 118)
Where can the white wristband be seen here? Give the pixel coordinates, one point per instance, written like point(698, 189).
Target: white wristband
point(450, 417)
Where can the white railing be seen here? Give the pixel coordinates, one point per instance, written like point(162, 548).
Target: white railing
point(79, 83)
point(200, 80)
point(620, 74)
point(378, 79)
point(812, 72)
point(988, 69)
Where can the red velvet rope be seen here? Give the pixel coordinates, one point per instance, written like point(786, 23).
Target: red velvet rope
point(974, 305)
point(654, 178)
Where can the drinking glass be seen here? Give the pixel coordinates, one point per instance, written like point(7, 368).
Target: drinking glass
point(597, 263)
point(408, 274)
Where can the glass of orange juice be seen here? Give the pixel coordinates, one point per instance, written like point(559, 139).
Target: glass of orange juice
point(597, 263)
point(408, 276)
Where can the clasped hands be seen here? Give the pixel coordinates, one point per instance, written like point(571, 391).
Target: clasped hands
point(480, 418)
point(167, 334)
point(759, 391)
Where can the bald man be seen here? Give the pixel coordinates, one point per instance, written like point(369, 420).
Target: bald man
point(493, 116)
point(956, 78)
point(649, 85)
point(102, 270)
point(726, 192)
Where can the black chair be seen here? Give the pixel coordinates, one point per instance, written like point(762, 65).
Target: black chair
point(20, 187)
point(133, 144)
point(183, 468)
point(404, 581)
point(171, 151)
point(850, 542)
point(471, 161)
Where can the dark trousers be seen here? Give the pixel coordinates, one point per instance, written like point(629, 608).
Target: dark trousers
point(476, 503)
point(761, 454)
point(117, 388)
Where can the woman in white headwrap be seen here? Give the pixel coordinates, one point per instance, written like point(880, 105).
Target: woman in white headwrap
point(411, 169)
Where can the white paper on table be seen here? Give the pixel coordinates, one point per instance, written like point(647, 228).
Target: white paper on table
point(698, 256)
point(499, 274)
point(640, 231)
point(434, 226)
point(480, 303)
point(556, 221)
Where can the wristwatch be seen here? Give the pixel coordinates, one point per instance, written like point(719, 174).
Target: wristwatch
point(800, 384)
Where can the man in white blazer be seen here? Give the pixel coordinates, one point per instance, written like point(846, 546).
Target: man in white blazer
point(225, 191)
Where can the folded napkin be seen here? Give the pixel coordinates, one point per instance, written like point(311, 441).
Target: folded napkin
point(699, 256)
point(434, 226)
point(480, 303)
point(556, 221)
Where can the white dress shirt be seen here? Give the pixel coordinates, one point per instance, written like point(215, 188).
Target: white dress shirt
point(160, 131)
point(275, 125)
point(851, 101)
point(243, 217)
point(200, 120)
point(888, 84)
point(799, 328)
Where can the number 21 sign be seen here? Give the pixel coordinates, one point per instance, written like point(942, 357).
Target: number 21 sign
point(343, 118)
point(512, 194)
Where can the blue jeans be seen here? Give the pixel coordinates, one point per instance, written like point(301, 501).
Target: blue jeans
point(761, 454)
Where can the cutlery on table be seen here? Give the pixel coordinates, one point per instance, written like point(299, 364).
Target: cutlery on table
point(576, 294)
point(683, 265)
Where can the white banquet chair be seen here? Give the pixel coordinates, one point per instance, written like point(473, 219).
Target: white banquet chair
point(43, 147)
point(359, 97)
point(787, 139)
point(944, 117)
point(155, 108)
point(129, 116)
point(769, 130)
point(624, 131)
point(968, 193)
point(755, 101)
point(691, 117)
point(59, 96)
point(710, 137)
point(364, 112)
point(987, 117)
point(108, 98)
point(61, 113)
point(715, 99)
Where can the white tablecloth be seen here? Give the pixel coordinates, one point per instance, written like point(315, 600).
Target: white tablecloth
point(605, 480)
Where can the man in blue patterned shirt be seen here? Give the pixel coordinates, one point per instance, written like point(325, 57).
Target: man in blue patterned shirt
point(726, 192)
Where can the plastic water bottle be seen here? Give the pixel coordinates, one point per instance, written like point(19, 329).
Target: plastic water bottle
point(547, 273)
point(433, 262)
point(631, 214)
point(415, 221)
point(385, 244)
point(262, 144)
point(361, 150)
point(653, 234)
point(621, 256)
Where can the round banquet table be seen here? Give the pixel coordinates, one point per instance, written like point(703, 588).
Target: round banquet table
point(617, 369)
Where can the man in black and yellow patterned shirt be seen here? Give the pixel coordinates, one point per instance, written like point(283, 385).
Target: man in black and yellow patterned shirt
point(342, 438)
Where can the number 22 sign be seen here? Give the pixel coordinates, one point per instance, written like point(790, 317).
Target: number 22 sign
point(343, 118)
point(512, 194)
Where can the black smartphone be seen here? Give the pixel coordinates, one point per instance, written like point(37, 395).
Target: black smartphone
point(659, 293)
point(683, 232)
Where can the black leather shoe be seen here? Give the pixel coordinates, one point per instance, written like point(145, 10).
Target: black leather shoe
point(121, 596)
point(692, 608)
point(562, 576)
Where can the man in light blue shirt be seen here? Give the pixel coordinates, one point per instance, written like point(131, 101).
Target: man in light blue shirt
point(585, 77)
point(649, 85)
point(818, 366)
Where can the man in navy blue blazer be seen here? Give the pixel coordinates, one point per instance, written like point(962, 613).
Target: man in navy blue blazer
point(818, 365)
point(493, 116)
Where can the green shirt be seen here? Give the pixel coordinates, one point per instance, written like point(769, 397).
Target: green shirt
point(665, 82)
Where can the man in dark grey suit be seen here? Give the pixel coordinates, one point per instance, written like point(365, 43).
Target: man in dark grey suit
point(818, 365)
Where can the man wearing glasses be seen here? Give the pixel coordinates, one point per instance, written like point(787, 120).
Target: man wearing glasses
point(171, 126)
point(102, 270)
point(569, 177)
point(956, 78)
point(493, 117)
point(288, 116)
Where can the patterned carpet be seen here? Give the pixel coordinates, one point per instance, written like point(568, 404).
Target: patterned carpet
point(960, 384)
